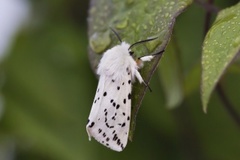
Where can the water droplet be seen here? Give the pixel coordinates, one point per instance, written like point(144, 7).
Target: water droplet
point(151, 22)
point(106, 7)
point(93, 10)
point(122, 24)
point(205, 78)
point(153, 44)
point(166, 15)
point(183, 4)
point(236, 42)
point(128, 2)
point(144, 26)
point(99, 41)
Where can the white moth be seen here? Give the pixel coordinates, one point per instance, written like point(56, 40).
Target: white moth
point(109, 119)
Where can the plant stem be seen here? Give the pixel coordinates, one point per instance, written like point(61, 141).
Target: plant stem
point(208, 6)
point(227, 105)
point(189, 138)
point(208, 18)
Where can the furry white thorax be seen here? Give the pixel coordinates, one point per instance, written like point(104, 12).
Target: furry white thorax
point(115, 61)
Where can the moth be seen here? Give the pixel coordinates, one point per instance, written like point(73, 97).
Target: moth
point(110, 115)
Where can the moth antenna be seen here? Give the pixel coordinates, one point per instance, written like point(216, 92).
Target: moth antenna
point(158, 53)
point(116, 34)
point(143, 41)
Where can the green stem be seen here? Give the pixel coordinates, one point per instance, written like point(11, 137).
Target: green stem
point(189, 140)
point(208, 18)
point(227, 104)
point(209, 7)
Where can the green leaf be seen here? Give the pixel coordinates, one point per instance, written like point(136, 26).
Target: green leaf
point(171, 76)
point(133, 21)
point(221, 46)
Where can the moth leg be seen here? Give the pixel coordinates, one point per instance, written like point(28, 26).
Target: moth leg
point(140, 61)
point(150, 57)
point(140, 79)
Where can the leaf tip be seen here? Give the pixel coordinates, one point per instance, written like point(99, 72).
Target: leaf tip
point(205, 109)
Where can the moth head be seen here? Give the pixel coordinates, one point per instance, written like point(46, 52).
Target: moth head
point(131, 53)
point(136, 43)
point(139, 42)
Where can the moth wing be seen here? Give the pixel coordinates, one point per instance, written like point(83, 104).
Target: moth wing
point(109, 118)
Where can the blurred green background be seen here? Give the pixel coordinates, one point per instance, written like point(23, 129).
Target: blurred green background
point(47, 88)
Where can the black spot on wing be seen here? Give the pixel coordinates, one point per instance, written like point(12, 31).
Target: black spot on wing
point(104, 134)
point(122, 146)
point(108, 126)
point(115, 137)
point(124, 101)
point(113, 118)
point(128, 71)
point(129, 96)
point(119, 142)
point(117, 106)
point(91, 125)
point(105, 94)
